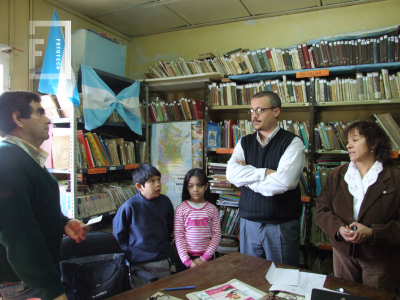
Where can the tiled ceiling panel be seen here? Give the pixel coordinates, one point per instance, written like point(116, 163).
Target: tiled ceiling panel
point(92, 8)
point(206, 11)
point(142, 20)
point(259, 7)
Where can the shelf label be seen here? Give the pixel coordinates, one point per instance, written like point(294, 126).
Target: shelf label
point(224, 150)
point(305, 199)
point(112, 168)
point(97, 170)
point(325, 247)
point(129, 167)
point(315, 73)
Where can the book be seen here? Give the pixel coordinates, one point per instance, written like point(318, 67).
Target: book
point(95, 149)
point(213, 132)
point(240, 289)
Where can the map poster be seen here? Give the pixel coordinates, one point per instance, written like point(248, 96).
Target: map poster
point(176, 148)
point(172, 153)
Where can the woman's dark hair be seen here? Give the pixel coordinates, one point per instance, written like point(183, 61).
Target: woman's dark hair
point(201, 175)
point(11, 101)
point(375, 137)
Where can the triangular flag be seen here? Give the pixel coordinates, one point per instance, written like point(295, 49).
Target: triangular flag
point(53, 78)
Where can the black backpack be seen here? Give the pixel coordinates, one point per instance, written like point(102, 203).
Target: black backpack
point(95, 277)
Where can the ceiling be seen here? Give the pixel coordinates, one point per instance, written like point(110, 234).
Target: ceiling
point(144, 17)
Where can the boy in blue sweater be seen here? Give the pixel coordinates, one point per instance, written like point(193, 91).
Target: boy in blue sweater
point(143, 225)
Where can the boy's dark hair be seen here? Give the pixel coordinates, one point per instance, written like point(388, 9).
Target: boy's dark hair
point(11, 101)
point(376, 138)
point(201, 175)
point(143, 173)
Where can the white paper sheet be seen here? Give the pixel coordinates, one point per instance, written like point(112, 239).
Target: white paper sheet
point(282, 276)
point(307, 281)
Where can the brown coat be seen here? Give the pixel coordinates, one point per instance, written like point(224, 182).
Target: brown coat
point(380, 210)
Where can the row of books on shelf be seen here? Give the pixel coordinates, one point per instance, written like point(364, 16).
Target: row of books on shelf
point(316, 55)
point(381, 49)
point(102, 198)
point(331, 136)
point(183, 109)
point(95, 151)
point(227, 133)
point(180, 67)
point(371, 86)
point(230, 220)
point(318, 236)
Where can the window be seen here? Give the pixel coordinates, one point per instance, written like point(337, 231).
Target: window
point(4, 71)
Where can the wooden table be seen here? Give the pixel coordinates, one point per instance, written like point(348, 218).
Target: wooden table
point(249, 269)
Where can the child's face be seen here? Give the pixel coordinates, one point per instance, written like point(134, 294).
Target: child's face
point(196, 191)
point(151, 189)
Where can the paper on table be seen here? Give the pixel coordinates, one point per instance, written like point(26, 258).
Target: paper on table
point(94, 220)
point(307, 281)
point(282, 276)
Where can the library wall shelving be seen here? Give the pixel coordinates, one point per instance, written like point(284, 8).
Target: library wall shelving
point(161, 91)
point(313, 112)
point(82, 190)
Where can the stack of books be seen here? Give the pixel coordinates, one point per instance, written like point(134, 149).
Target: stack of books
point(228, 245)
point(219, 184)
point(391, 128)
point(183, 109)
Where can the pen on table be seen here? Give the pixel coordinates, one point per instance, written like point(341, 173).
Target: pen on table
point(180, 288)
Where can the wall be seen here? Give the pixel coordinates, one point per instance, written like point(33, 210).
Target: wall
point(14, 24)
point(271, 32)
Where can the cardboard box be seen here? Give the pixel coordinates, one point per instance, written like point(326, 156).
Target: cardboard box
point(91, 49)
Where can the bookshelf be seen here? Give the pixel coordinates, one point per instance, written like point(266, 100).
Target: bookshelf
point(168, 90)
point(312, 111)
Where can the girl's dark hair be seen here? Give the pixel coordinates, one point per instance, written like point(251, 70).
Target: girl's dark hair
point(375, 138)
point(201, 175)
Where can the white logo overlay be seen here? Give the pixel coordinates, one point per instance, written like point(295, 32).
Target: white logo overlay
point(58, 51)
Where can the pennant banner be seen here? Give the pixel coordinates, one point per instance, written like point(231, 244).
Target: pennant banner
point(53, 79)
point(99, 101)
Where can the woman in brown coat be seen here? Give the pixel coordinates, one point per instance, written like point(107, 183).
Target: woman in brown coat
point(359, 208)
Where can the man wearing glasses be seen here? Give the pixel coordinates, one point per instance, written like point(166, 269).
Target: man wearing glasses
point(267, 165)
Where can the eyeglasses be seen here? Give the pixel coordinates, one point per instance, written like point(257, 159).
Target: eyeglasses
point(259, 111)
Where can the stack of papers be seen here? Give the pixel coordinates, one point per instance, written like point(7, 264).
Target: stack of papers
point(294, 281)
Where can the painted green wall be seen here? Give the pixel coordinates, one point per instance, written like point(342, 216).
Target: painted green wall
point(281, 31)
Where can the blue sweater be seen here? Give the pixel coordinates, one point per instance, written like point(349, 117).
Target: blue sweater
point(31, 222)
point(143, 228)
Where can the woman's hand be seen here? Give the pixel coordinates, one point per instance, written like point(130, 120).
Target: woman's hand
point(364, 232)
